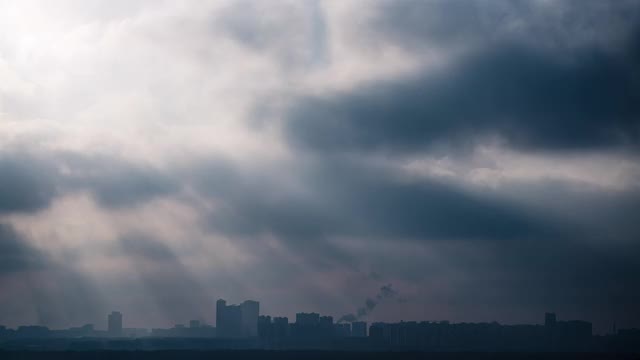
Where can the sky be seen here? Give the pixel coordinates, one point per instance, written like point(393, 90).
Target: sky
point(389, 160)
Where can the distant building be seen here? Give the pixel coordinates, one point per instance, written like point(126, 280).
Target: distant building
point(359, 329)
point(234, 321)
point(563, 335)
point(249, 312)
point(265, 327)
point(135, 332)
point(326, 321)
point(549, 320)
point(115, 324)
point(342, 330)
point(33, 331)
point(280, 327)
point(232, 324)
point(310, 326)
point(312, 331)
point(82, 331)
point(377, 331)
point(307, 319)
point(325, 326)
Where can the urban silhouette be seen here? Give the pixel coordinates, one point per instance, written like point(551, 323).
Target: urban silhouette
point(242, 327)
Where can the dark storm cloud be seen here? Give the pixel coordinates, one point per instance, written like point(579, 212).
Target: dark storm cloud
point(348, 198)
point(250, 204)
point(416, 24)
point(30, 182)
point(125, 185)
point(27, 184)
point(606, 215)
point(377, 203)
point(16, 254)
point(530, 97)
point(117, 182)
point(419, 23)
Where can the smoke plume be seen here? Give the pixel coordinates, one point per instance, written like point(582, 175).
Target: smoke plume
point(385, 292)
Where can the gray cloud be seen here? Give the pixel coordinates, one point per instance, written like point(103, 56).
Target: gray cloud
point(606, 215)
point(116, 181)
point(26, 183)
point(530, 97)
point(416, 24)
point(351, 199)
point(16, 254)
point(30, 182)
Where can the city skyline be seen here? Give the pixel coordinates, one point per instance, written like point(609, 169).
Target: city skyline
point(114, 324)
point(243, 327)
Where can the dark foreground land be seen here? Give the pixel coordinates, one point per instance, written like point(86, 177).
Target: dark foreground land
point(295, 355)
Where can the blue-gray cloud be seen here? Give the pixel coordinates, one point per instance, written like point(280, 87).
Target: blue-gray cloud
point(30, 182)
point(16, 255)
point(116, 181)
point(560, 26)
point(530, 97)
point(26, 183)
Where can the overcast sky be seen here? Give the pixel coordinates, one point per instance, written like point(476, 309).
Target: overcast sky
point(480, 157)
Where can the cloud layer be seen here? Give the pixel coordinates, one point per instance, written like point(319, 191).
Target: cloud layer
point(479, 156)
